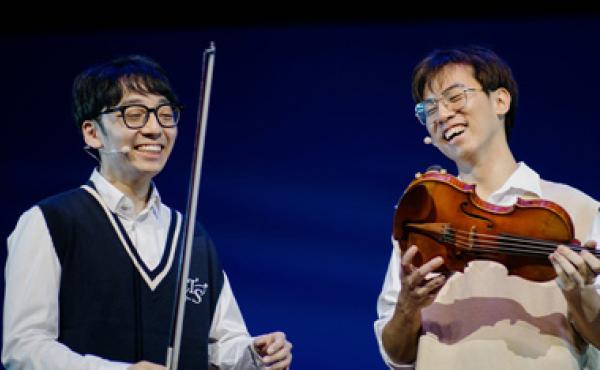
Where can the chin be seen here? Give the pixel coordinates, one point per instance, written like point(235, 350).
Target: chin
point(150, 169)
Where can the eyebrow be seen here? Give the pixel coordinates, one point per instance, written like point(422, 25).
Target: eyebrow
point(140, 101)
point(456, 84)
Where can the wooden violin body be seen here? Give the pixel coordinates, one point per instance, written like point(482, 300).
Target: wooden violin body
point(443, 216)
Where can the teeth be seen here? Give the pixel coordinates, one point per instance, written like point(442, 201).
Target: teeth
point(453, 131)
point(149, 148)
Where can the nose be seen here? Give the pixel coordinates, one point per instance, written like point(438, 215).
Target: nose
point(152, 127)
point(443, 113)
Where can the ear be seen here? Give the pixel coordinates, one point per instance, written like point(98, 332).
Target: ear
point(91, 134)
point(502, 101)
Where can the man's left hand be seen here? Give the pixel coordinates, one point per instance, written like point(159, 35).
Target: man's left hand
point(575, 270)
point(275, 350)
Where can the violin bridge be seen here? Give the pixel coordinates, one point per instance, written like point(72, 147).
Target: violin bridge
point(472, 235)
point(470, 243)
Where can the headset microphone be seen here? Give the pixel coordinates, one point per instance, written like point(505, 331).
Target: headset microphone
point(124, 149)
point(89, 150)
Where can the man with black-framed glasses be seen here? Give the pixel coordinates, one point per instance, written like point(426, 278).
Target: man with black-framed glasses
point(91, 273)
point(485, 318)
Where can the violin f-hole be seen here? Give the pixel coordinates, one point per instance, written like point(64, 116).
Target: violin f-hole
point(463, 208)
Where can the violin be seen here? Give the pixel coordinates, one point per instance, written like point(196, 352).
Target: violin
point(443, 216)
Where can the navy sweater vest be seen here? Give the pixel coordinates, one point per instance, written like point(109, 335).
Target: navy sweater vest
point(106, 308)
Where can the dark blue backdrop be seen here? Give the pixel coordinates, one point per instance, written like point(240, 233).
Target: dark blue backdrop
point(311, 140)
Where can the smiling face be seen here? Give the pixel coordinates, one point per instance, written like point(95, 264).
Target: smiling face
point(130, 155)
point(473, 131)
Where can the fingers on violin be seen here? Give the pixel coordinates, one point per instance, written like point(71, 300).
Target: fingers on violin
point(410, 253)
point(592, 261)
point(562, 279)
point(433, 264)
point(566, 270)
point(414, 279)
point(590, 244)
point(418, 276)
point(407, 257)
point(426, 293)
point(433, 286)
point(582, 261)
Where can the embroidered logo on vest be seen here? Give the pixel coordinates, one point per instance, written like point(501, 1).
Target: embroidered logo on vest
point(195, 291)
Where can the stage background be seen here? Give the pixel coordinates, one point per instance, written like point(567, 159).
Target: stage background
point(311, 140)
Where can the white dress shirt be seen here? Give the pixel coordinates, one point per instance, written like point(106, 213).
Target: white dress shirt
point(33, 273)
point(524, 183)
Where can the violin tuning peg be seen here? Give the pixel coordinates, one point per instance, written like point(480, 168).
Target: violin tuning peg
point(418, 175)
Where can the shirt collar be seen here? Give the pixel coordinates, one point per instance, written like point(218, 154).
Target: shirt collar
point(524, 181)
point(118, 202)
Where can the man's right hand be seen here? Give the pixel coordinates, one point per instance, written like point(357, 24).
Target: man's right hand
point(400, 335)
point(145, 365)
point(416, 292)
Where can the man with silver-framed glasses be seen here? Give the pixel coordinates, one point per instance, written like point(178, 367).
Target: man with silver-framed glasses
point(484, 318)
point(91, 273)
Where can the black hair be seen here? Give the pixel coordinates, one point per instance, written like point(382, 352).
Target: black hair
point(103, 86)
point(488, 69)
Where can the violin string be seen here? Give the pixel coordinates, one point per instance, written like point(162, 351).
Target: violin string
point(530, 243)
point(499, 243)
point(533, 246)
point(551, 244)
point(501, 247)
point(499, 250)
point(493, 246)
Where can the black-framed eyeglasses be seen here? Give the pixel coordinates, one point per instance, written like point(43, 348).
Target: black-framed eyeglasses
point(454, 98)
point(136, 116)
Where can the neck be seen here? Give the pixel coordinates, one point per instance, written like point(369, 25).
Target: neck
point(136, 189)
point(488, 170)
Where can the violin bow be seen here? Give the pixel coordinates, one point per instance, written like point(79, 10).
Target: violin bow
point(192, 205)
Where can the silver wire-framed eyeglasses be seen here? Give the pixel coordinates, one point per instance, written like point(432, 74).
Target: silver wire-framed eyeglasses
point(454, 98)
